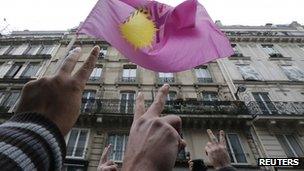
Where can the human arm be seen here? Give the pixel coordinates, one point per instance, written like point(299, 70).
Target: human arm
point(154, 141)
point(217, 152)
point(48, 108)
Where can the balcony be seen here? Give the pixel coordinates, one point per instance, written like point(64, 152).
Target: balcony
point(276, 108)
point(127, 80)
point(163, 80)
point(189, 107)
point(204, 80)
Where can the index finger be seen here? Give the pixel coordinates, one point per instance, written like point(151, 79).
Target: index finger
point(105, 153)
point(70, 61)
point(222, 138)
point(83, 74)
point(212, 138)
point(159, 103)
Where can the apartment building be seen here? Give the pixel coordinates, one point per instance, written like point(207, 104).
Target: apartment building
point(268, 65)
point(256, 95)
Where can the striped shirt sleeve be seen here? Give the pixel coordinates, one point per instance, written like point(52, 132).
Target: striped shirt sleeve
point(29, 141)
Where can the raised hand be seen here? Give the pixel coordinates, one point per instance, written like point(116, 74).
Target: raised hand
point(154, 141)
point(104, 163)
point(58, 98)
point(216, 150)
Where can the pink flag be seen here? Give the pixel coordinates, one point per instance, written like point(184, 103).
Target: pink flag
point(157, 36)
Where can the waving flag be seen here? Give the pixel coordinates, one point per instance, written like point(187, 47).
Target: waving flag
point(157, 36)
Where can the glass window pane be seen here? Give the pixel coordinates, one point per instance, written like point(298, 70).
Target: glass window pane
point(295, 145)
point(31, 70)
point(47, 49)
point(237, 148)
point(285, 146)
point(119, 148)
point(13, 70)
point(33, 49)
point(71, 142)
point(80, 148)
point(11, 100)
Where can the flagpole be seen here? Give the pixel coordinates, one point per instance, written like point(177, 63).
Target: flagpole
point(67, 50)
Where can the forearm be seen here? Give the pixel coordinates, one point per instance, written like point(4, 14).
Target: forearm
point(31, 142)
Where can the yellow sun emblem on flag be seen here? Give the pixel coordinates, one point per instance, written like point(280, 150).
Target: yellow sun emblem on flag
point(138, 29)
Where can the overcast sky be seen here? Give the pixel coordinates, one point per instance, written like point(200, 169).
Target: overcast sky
point(65, 14)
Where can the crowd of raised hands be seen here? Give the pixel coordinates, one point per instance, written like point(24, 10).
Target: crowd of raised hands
point(155, 141)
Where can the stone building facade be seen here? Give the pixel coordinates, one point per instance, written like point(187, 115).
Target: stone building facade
point(256, 96)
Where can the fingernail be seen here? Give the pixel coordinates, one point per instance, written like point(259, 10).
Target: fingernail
point(76, 50)
point(167, 86)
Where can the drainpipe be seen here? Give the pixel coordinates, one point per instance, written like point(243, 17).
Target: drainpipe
point(227, 77)
point(67, 50)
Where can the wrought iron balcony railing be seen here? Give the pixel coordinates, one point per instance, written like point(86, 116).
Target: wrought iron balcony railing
point(204, 80)
point(275, 108)
point(116, 106)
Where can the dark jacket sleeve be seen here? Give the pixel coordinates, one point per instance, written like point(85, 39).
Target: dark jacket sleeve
point(30, 141)
point(230, 168)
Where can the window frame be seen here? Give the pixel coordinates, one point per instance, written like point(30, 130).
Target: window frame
point(125, 140)
point(247, 78)
point(271, 51)
point(38, 64)
point(286, 71)
point(76, 142)
point(129, 73)
point(98, 78)
point(290, 146)
point(127, 102)
point(198, 73)
point(11, 68)
point(232, 152)
point(209, 97)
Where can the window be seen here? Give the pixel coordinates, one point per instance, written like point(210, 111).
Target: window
point(264, 102)
point(203, 75)
point(237, 52)
point(47, 49)
point(4, 50)
point(302, 47)
point(171, 96)
point(293, 73)
point(33, 50)
point(119, 143)
point(129, 73)
point(18, 50)
point(12, 72)
point(248, 73)
point(127, 102)
point(271, 51)
point(31, 70)
point(73, 167)
point(235, 149)
point(291, 146)
point(166, 77)
point(88, 100)
point(103, 51)
point(77, 140)
point(12, 50)
point(209, 96)
point(11, 99)
point(2, 94)
point(96, 74)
